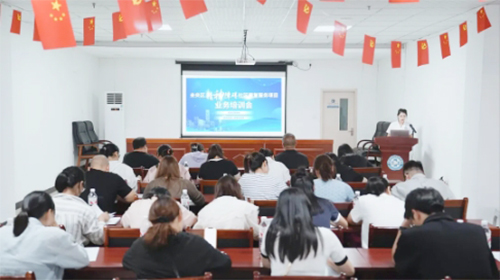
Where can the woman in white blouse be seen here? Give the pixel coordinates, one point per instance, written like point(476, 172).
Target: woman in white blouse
point(112, 152)
point(401, 123)
point(36, 243)
point(228, 210)
point(162, 152)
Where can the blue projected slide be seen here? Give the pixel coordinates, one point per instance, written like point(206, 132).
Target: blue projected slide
point(234, 104)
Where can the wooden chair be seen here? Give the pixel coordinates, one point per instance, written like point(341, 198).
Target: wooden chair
point(344, 208)
point(267, 208)
point(257, 276)
point(368, 172)
point(194, 171)
point(141, 186)
point(207, 186)
point(228, 238)
point(357, 186)
point(456, 208)
point(382, 237)
point(207, 276)
point(120, 237)
point(30, 275)
point(140, 171)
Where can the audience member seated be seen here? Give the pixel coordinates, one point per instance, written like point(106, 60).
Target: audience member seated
point(161, 152)
point(326, 186)
point(291, 158)
point(437, 246)
point(242, 214)
point(108, 186)
point(167, 252)
point(276, 168)
point(136, 215)
point(36, 243)
point(347, 174)
point(140, 157)
point(196, 157)
point(112, 152)
point(415, 178)
point(323, 211)
point(376, 207)
point(256, 183)
point(349, 158)
point(293, 246)
point(217, 166)
point(168, 177)
point(78, 218)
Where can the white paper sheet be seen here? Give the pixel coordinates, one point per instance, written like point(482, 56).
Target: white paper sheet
point(92, 252)
point(210, 235)
point(496, 255)
point(139, 195)
point(113, 220)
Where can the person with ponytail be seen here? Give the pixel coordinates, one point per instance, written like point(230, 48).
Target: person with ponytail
point(165, 251)
point(79, 219)
point(36, 243)
point(326, 186)
point(112, 152)
point(162, 152)
point(256, 183)
point(293, 246)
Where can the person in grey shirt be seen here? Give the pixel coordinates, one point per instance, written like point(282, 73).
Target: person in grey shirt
point(415, 178)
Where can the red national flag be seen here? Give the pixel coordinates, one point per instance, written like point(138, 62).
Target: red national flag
point(339, 35)
point(262, 1)
point(404, 1)
point(192, 8)
point(445, 45)
point(16, 22)
point(463, 34)
point(396, 54)
point(36, 35)
point(483, 22)
point(304, 10)
point(423, 52)
point(134, 14)
point(369, 50)
point(89, 31)
point(118, 27)
point(153, 13)
point(53, 23)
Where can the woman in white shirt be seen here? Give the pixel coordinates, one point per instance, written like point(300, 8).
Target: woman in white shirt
point(242, 214)
point(36, 243)
point(401, 124)
point(163, 151)
point(112, 152)
point(293, 246)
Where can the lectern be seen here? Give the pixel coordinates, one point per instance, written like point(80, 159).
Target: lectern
point(395, 152)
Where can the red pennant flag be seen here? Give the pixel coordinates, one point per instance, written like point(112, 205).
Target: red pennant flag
point(118, 27)
point(89, 31)
point(16, 22)
point(304, 9)
point(53, 23)
point(339, 35)
point(192, 8)
point(369, 50)
point(153, 12)
point(396, 54)
point(36, 35)
point(135, 19)
point(463, 34)
point(404, 1)
point(483, 22)
point(423, 53)
point(262, 1)
point(445, 45)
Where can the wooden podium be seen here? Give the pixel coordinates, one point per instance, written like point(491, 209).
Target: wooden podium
point(395, 152)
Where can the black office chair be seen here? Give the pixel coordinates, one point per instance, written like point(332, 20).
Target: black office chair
point(86, 149)
point(93, 136)
point(368, 148)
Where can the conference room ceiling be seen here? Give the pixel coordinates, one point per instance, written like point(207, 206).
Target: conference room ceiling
point(274, 24)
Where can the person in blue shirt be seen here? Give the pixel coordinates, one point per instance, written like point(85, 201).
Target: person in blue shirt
point(326, 186)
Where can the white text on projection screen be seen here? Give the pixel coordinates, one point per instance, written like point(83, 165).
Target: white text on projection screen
point(240, 104)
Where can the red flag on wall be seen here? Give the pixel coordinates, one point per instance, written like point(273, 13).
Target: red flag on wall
point(134, 16)
point(483, 22)
point(445, 45)
point(396, 54)
point(262, 1)
point(192, 8)
point(339, 35)
point(89, 31)
point(423, 52)
point(369, 50)
point(403, 1)
point(118, 27)
point(16, 22)
point(53, 23)
point(463, 34)
point(153, 12)
point(36, 35)
point(304, 10)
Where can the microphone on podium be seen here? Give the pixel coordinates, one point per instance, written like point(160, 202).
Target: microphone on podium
point(413, 129)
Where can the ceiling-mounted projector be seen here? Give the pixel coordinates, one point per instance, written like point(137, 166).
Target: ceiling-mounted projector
point(246, 58)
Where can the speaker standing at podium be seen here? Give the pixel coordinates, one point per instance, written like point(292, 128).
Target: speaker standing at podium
point(401, 124)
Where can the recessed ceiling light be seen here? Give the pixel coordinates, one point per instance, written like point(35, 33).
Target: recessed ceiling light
point(165, 27)
point(327, 28)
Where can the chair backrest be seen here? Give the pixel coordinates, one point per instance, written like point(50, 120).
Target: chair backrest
point(381, 129)
point(120, 237)
point(194, 171)
point(267, 208)
point(369, 171)
point(228, 238)
point(382, 237)
point(207, 186)
point(140, 171)
point(81, 135)
point(257, 276)
point(91, 131)
point(357, 186)
point(30, 275)
point(344, 208)
point(456, 208)
point(207, 276)
point(141, 186)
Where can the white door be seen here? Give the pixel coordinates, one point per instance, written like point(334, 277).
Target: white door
point(338, 117)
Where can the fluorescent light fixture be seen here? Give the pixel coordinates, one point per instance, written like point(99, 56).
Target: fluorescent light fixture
point(165, 27)
point(327, 28)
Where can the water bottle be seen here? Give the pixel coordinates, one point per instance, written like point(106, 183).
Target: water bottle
point(185, 200)
point(264, 222)
point(338, 178)
point(92, 199)
point(385, 177)
point(487, 231)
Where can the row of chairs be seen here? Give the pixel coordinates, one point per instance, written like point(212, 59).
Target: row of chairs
point(86, 141)
point(365, 171)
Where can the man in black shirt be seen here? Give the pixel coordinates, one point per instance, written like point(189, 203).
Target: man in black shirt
point(437, 246)
point(290, 157)
point(108, 186)
point(140, 157)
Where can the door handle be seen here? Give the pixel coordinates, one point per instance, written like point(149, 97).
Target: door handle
point(351, 131)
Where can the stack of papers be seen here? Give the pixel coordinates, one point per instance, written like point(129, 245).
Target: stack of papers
point(92, 252)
